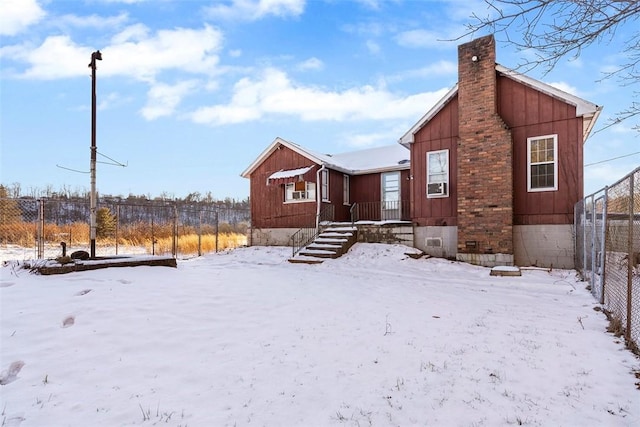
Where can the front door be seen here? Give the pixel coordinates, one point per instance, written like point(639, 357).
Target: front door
point(390, 196)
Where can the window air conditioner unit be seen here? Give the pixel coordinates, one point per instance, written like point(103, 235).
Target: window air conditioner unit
point(437, 189)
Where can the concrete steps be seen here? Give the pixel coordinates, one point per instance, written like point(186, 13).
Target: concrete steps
point(332, 243)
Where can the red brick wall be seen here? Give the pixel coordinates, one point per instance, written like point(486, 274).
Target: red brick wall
point(485, 177)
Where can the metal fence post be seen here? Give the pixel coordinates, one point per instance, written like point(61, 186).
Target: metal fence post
point(199, 232)
point(584, 236)
point(630, 259)
point(174, 249)
point(117, 225)
point(594, 234)
point(603, 261)
point(217, 228)
point(40, 237)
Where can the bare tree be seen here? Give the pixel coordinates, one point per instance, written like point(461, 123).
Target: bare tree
point(557, 29)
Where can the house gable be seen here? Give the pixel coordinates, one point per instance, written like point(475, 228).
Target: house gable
point(588, 111)
point(267, 195)
point(532, 113)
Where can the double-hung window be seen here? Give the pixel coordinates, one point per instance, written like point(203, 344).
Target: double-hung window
point(300, 191)
point(324, 185)
point(438, 173)
point(542, 163)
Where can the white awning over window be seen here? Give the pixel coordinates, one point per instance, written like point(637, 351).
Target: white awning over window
point(286, 176)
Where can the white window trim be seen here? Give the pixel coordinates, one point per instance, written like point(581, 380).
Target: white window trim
point(346, 191)
point(307, 190)
point(324, 185)
point(446, 181)
point(555, 163)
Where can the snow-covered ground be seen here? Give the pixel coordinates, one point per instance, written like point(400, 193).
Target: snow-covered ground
point(372, 338)
point(15, 252)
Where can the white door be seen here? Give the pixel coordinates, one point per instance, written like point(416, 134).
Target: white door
point(390, 196)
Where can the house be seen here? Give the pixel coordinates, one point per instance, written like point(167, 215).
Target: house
point(496, 167)
point(292, 187)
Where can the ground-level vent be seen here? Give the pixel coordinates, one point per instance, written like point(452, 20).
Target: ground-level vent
point(434, 242)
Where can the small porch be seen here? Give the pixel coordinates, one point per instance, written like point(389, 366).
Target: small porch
point(371, 222)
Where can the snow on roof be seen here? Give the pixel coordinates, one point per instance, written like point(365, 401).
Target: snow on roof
point(371, 160)
point(290, 173)
point(585, 109)
point(378, 159)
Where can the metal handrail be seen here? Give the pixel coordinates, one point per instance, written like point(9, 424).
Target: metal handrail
point(353, 212)
point(306, 235)
point(380, 211)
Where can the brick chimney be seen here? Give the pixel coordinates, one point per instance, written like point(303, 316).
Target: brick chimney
point(485, 176)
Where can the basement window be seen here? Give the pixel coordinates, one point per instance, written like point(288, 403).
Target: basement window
point(542, 163)
point(300, 191)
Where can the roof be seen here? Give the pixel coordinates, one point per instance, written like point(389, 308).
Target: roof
point(585, 109)
point(372, 160)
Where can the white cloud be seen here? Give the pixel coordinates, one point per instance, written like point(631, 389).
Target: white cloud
point(275, 93)
point(235, 53)
point(440, 68)
point(566, 87)
point(93, 21)
point(134, 52)
point(252, 10)
point(370, 4)
point(143, 57)
point(421, 38)
point(111, 100)
point(311, 64)
point(462, 10)
point(18, 15)
point(163, 99)
point(373, 47)
point(370, 29)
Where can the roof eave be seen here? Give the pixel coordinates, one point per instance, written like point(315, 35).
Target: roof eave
point(273, 147)
point(394, 168)
point(588, 124)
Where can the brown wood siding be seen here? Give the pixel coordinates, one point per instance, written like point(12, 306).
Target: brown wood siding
point(268, 209)
point(336, 196)
point(440, 133)
point(367, 188)
point(530, 113)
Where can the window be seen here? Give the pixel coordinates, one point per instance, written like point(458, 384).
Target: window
point(324, 185)
point(345, 189)
point(542, 163)
point(301, 191)
point(438, 173)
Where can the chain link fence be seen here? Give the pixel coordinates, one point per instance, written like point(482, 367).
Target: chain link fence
point(45, 228)
point(608, 251)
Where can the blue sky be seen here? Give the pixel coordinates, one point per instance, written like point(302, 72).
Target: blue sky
point(191, 92)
